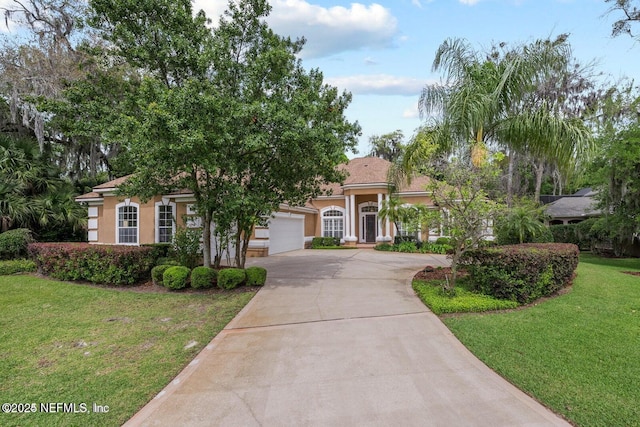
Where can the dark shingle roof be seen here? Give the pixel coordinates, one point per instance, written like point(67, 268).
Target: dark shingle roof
point(569, 207)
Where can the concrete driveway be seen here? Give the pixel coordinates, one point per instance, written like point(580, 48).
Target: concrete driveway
point(338, 338)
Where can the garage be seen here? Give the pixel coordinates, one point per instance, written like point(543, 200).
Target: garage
point(286, 233)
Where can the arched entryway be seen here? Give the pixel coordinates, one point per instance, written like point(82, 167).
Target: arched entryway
point(368, 213)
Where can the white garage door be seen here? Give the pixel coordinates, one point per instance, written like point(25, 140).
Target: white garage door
point(286, 233)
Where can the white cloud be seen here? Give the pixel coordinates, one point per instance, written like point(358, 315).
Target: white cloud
point(411, 112)
point(213, 9)
point(469, 2)
point(379, 84)
point(335, 29)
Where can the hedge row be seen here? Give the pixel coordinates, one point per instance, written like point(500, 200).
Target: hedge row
point(115, 265)
point(179, 277)
point(524, 272)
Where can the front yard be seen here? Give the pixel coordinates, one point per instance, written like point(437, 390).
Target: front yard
point(76, 344)
point(578, 353)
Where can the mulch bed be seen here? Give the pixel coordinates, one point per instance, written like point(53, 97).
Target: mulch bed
point(632, 273)
point(150, 287)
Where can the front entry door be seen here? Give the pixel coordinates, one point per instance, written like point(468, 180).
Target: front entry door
point(370, 223)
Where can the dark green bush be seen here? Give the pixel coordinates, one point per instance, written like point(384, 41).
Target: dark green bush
point(115, 265)
point(157, 273)
point(14, 243)
point(17, 266)
point(256, 276)
point(159, 251)
point(229, 278)
point(524, 272)
point(507, 236)
point(321, 242)
point(580, 234)
point(187, 248)
point(176, 277)
point(443, 241)
point(407, 247)
point(203, 277)
point(384, 247)
point(397, 240)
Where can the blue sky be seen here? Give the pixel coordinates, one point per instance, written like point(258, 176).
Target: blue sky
point(382, 51)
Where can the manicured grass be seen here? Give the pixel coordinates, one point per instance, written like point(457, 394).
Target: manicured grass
point(430, 292)
point(579, 354)
point(70, 343)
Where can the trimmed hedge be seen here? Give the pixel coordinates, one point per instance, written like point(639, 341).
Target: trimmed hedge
point(256, 276)
point(115, 265)
point(160, 250)
point(14, 243)
point(580, 234)
point(230, 278)
point(17, 266)
point(522, 273)
point(203, 277)
point(157, 273)
point(176, 277)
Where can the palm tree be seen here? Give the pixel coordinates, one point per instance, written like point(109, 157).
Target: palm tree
point(491, 101)
point(32, 193)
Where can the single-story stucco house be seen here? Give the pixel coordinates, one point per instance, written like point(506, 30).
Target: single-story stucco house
point(349, 213)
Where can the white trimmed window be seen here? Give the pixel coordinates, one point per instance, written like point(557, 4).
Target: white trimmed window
point(333, 222)
point(127, 229)
point(165, 222)
point(404, 231)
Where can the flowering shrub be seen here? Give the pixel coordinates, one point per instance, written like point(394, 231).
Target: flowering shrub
point(524, 272)
point(115, 265)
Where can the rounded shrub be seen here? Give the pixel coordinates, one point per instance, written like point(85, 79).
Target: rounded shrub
point(175, 277)
point(203, 277)
point(384, 247)
point(230, 278)
point(157, 273)
point(256, 276)
point(13, 243)
point(443, 241)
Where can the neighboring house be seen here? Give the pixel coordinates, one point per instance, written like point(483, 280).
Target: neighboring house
point(350, 213)
point(572, 209)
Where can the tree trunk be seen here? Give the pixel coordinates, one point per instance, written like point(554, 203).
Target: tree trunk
point(206, 239)
point(539, 174)
point(510, 178)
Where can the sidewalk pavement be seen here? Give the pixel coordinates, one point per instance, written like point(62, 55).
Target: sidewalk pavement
point(338, 338)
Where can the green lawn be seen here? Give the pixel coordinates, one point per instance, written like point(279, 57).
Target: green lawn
point(70, 343)
point(579, 353)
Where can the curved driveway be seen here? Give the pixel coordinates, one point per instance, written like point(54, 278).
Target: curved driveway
point(338, 338)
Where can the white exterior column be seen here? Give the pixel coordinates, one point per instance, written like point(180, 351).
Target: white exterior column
point(379, 237)
point(347, 218)
point(352, 206)
point(387, 236)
